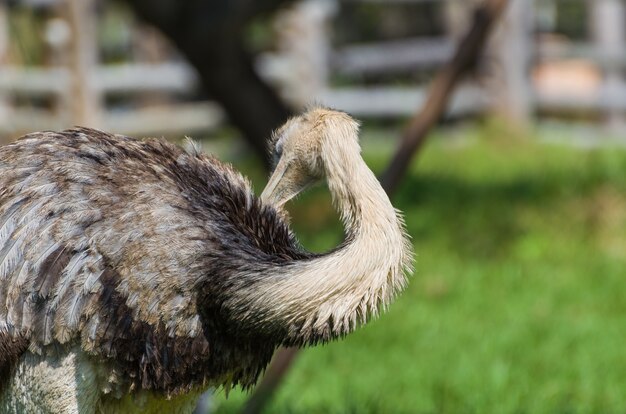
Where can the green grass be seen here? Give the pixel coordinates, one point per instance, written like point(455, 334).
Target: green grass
point(518, 304)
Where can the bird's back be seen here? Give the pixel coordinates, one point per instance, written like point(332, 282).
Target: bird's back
point(115, 245)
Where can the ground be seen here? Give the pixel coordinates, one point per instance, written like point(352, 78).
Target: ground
point(518, 303)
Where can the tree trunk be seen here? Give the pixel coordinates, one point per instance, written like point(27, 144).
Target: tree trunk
point(210, 35)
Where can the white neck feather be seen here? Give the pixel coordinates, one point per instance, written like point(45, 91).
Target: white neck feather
point(331, 295)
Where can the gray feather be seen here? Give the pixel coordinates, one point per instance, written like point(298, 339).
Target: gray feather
point(126, 247)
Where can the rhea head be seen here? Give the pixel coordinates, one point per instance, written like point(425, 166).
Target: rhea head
point(300, 150)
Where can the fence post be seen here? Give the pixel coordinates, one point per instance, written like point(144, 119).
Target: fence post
point(607, 27)
point(300, 69)
point(458, 17)
point(512, 49)
point(84, 98)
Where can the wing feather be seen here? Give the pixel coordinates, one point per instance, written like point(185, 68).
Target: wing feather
point(67, 279)
point(105, 241)
point(10, 255)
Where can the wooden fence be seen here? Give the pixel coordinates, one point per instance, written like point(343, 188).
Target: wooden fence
point(526, 73)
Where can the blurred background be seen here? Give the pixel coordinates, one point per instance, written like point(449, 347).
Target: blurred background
point(516, 205)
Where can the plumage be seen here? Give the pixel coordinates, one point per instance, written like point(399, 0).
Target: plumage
point(158, 271)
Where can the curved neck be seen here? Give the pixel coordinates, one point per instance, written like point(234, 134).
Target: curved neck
point(328, 296)
point(357, 195)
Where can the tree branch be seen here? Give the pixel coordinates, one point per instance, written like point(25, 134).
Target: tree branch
point(465, 58)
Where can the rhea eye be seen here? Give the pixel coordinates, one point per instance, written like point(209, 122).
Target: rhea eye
point(278, 152)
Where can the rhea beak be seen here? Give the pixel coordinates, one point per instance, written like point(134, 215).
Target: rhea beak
point(286, 182)
point(278, 189)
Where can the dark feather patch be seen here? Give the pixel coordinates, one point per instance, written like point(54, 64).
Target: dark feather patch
point(51, 270)
point(151, 359)
point(11, 348)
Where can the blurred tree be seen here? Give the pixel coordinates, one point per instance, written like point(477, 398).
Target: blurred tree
point(210, 34)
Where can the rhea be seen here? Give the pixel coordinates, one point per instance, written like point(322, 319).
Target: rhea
point(134, 274)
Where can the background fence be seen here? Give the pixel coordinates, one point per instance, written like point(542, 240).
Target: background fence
point(548, 58)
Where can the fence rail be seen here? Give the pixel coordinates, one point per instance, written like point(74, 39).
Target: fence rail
point(401, 101)
point(124, 78)
point(392, 56)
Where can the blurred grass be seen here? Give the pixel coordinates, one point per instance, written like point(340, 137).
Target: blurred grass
point(518, 304)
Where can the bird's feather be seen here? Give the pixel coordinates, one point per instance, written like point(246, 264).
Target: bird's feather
point(127, 248)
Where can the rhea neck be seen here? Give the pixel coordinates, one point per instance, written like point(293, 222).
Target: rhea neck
point(358, 196)
point(322, 298)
